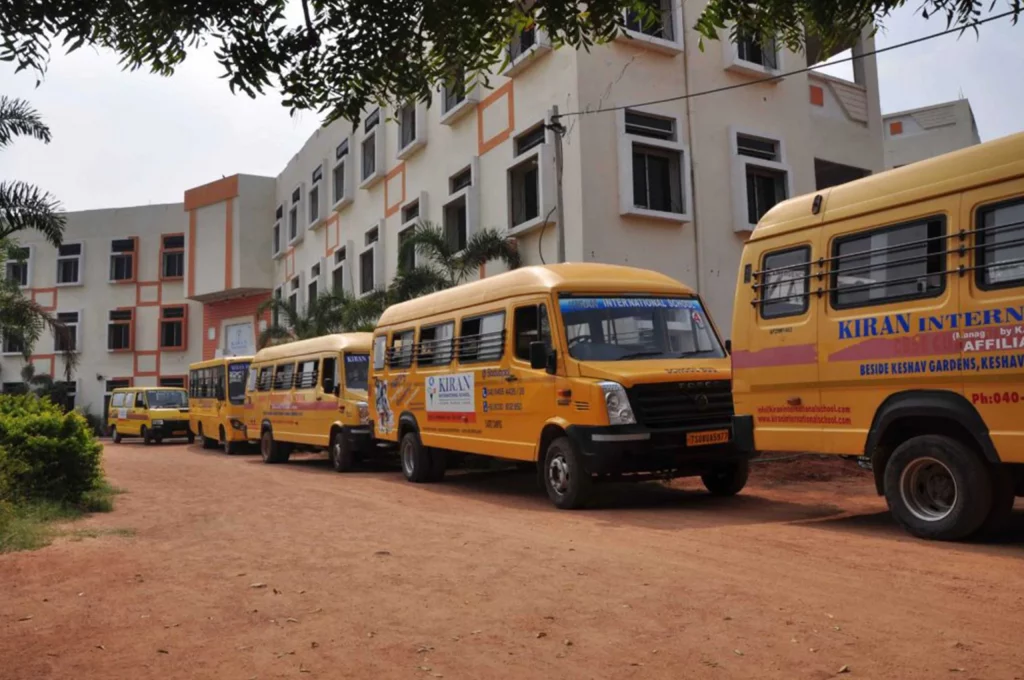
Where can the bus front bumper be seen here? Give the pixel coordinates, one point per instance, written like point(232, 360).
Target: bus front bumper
point(359, 438)
point(166, 429)
point(637, 451)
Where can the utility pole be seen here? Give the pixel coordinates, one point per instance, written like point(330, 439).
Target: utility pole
point(556, 126)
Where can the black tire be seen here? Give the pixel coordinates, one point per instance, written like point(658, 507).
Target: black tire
point(115, 435)
point(271, 451)
point(566, 480)
point(938, 488)
point(158, 440)
point(229, 447)
point(343, 458)
point(147, 438)
point(416, 458)
point(191, 437)
point(727, 479)
point(1003, 496)
point(438, 464)
point(207, 442)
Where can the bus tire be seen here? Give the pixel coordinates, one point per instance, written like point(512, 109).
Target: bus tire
point(230, 447)
point(566, 480)
point(726, 479)
point(207, 442)
point(115, 435)
point(147, 438)
point(343, 458)
point(191, 437)
point(438, 464)
point(271, 451)
point(416, 463)
point(938, 488)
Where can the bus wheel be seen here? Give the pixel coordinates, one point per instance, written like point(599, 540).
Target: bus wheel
point(229, 446)
point(438, 464)
point(115, 435)
point(342, 456)
point(416, 464)
point(270, 450)
point(938, 488)
point(726, 479)
point(207, 442)
point(147, 438)
point(565, 479)
point(191, 437)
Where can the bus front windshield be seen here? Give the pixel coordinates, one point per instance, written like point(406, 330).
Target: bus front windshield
point(236, 382)
point(619, 328)
point(168, 399)
point(357, 371)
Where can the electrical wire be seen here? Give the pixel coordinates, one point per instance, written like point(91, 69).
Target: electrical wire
point(808, 69)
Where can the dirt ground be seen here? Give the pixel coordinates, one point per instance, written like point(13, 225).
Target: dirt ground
point(222, 567)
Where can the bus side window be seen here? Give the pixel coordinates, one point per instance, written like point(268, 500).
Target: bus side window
point(379, 352)
point(140, 400)
point(117, 400)
point(251, 379)
point(284, 377)
point(266, 378)
point(531, 325)
point(482, 338)
point(784, 279)
point(329, 375)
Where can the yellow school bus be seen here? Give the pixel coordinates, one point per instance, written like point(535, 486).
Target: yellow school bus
point(152, 413)
point(216, 391)
point(884, 319)
point(596, 372)
point(311, 394)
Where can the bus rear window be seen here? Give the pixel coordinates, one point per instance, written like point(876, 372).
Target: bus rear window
point(357, 371)
point(236, 382)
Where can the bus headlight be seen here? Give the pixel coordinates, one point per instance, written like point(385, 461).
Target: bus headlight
point(617, 404)
point(237, 424)
point(364, 412)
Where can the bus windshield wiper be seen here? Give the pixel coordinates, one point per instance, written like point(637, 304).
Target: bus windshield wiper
point(642, 353)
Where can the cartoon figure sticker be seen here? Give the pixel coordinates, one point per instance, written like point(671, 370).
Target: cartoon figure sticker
point(698, 320)
point(385, 418)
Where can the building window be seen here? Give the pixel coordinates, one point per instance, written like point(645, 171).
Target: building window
point(369, 147)
point(177, 381)
point(366, 282)
point(526, 45)
point(16, 267)
point(656, 183)
point(454, 92)
point(655, 22)
point(338, 273)
point(278, 219)
point(120, 325)
point(456, 223)
point(293, 214)
point(406, 125)
point(521, 42)
point(457, 97)
point(410, 217)
point(755, 50)
point(314, 277)
point(13, 344)
point(14, 388)
point(783, 283)
point(69, 264)
point(524, 181)
point(122, 259)
point(172, 256)
point(314, 195)
point(66, 339)
point(460, 180)
point(762, 178)
point(275, 314)
point(889, 264)
point(173, 327)
point(999, 232)
point(293, 293)
point(338, 177)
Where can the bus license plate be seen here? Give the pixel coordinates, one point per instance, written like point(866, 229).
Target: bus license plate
point(706, 438)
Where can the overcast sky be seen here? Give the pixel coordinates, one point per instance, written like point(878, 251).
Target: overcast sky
point(125, 138)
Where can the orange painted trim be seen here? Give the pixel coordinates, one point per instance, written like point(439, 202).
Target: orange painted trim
point(214, 192)
point(191, 252)
point(52, 358)
point(156, 365)
point(164, 251)
point(817, 96)
point(390, 209)
point(896, 127)
point(184, 329)
point(53, 291)
point(139, 302)
point(485, 145)
point(229, 243)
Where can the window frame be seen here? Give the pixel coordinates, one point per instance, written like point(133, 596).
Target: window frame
point(740, 163)
point(838, 239)
point(278, 368)
point(379, 353)
point(764, 286)
point(339, 261)
point(133, 254)
point(74, 325)
point(470, 98)
point(314, 197)
point(418, 111)
point(627, 147)
point(372, 130)
point(295, 213)
point(735, 63)
point(342, 161)
point(639, 38)
point(277, 249)
point(129, 322)
point(182, 320)
point(980, 246)
point(459, 339)
point(80, 258)
point(407, 357)
point(26, 263)
point(165, 251)
point(540, 306)
point(435, 345)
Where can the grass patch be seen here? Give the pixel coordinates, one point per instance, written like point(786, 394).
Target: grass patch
point(29, 525)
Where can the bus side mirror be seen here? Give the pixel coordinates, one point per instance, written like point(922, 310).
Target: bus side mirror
point(728, 346)
point(538, 355)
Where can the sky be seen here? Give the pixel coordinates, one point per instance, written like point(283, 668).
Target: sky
point(133, 138)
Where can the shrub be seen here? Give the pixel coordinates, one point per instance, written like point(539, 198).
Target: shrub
point(45, 453)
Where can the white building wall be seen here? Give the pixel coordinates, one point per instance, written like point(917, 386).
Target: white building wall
point(915, 135)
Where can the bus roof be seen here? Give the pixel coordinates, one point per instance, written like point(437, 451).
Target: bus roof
point(578, 277)
point(338, 342)
point(217, 362)
point(952, 172)
point(147, 388)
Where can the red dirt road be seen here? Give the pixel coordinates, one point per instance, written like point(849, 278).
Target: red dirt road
point(239, 570)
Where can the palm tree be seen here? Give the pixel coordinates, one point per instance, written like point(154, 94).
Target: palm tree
point(445, 265)
point(43, 385)
point(332, 312)
point(24, 207)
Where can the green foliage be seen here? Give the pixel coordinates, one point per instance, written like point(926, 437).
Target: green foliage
point(25, 526)
point(826, 26)
point(45, 454)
